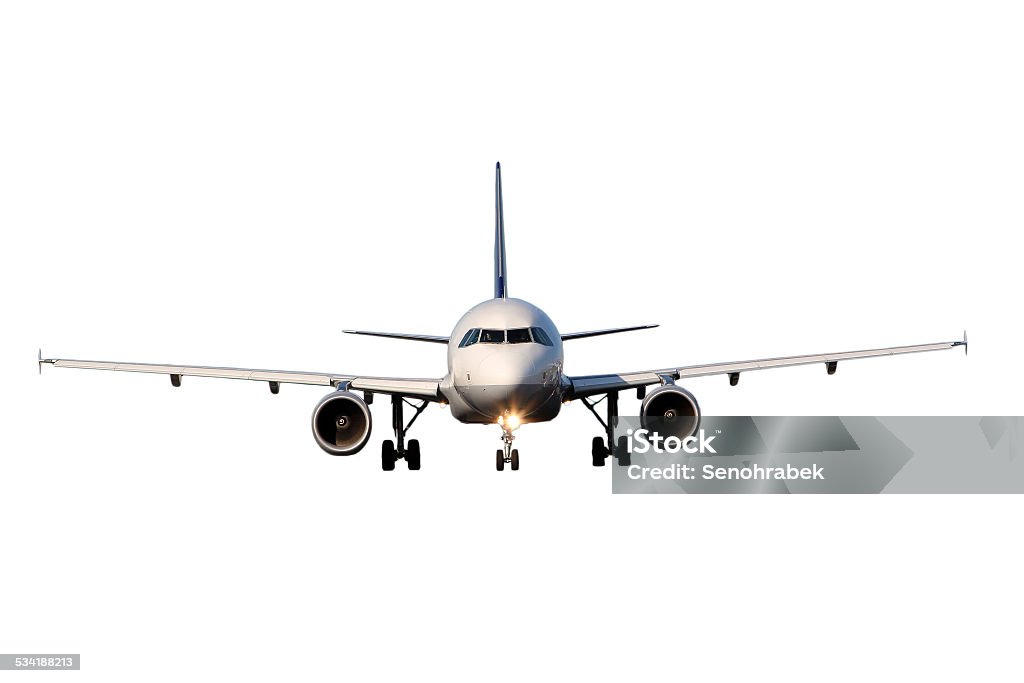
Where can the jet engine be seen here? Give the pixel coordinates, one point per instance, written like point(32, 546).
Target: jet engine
point(341, 423)
point(670, 411)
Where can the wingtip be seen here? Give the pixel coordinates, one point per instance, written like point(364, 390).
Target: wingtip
point(497, 166)
point(962, 343)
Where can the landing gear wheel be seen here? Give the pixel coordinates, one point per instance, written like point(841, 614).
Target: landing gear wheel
point(515, 458)
point(412, 456)
point(598, 451)
point(500, 462)
point(622, 452)
point(387, 455)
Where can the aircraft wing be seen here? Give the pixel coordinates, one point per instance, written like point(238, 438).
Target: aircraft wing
point(599, 384)
point(414, 388)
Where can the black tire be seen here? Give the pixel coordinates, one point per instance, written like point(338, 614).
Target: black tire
point(500, 461)
point(412, 458)
point(622, 452)
point(598, 451)
point(387, 455)
point(515, 458)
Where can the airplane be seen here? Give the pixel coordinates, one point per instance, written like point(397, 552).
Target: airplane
point(505, 368)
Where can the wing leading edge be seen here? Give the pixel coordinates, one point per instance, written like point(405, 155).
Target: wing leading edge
point(413, 388)
point(597, 384)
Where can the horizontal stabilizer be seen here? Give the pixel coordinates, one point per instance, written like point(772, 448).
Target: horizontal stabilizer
point(398, 335)
point(598, 333)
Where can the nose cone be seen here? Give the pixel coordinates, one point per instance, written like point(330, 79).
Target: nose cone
point(505, 367)
point(513, 381)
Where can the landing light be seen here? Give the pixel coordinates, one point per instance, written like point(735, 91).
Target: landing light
point(509, 421)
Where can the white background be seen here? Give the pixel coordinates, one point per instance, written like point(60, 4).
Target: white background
point(234, 183)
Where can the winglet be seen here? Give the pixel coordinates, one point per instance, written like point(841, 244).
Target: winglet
point(961, 343)
point(41, 360)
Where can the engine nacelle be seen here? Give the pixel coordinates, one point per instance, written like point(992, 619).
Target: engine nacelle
point(670, 411)
point(341, 423)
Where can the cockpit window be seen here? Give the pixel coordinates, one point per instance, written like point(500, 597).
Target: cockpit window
point(492, 336)
point(471, 338)
point(520, 336)
point(540, 336)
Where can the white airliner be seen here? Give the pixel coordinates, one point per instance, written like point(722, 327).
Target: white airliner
point(504, 368)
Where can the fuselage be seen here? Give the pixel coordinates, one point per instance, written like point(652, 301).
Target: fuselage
point(504, 359)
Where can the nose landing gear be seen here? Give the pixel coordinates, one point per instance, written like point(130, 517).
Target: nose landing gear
point(507, 454)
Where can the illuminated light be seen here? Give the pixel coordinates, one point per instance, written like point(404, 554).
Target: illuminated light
point(509, 421)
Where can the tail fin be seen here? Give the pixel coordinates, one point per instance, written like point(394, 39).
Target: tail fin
point(500, 273)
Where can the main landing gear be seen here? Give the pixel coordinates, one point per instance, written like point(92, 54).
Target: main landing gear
point(507, 454)
point(602, 447)
point(390, 451)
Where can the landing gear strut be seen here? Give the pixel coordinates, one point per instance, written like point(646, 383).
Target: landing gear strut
point(602, 447)
point(391, 452)
point(507, 454)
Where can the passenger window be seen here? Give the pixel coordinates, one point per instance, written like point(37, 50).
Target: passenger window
point(471, 338)
point(492, 336)
point(520, 336)
point(540, 336)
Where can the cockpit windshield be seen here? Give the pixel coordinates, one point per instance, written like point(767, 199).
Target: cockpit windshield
point(471, 338)
point(520, 335)
point(492, 336)
point(540, 336)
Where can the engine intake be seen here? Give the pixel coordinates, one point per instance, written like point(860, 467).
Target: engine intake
point(670, 411)
point(341, 423)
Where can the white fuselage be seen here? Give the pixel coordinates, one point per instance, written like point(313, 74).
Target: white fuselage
point(504, 358)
